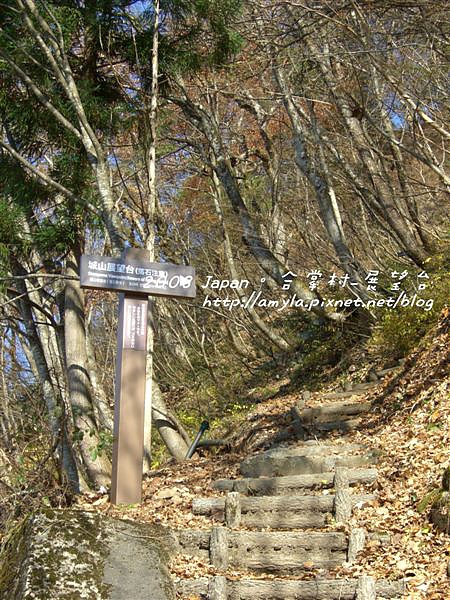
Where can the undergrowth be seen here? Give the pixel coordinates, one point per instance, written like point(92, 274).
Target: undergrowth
point(398, 331)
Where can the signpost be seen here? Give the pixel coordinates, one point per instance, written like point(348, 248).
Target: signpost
point(136, 279)
point(132, 273)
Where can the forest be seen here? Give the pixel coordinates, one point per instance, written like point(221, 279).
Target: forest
point(294, 152)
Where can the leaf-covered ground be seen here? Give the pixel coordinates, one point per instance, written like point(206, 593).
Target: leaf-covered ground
point(409, 424)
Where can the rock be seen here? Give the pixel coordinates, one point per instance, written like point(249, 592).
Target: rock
point(372, 375)
point(437, 501)
point(306, 395)
point(166, 493)
point(440, 513)
point(67, 554)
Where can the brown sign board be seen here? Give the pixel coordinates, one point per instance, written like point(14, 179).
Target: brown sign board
point(137, 276)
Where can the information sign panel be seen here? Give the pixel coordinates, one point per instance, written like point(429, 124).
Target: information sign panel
point(132, 275)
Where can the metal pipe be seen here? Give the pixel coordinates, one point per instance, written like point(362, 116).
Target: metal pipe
point(203, 427)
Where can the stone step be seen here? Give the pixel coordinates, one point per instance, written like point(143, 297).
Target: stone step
point(388, 371)
point(358, 389)
point(335, 411)
point(343, 425)
point(272, 552)
point(277, 512)
point(315, 448)
point(221, 588)
point(272, 464)
point(322, 430)
point(276, 486)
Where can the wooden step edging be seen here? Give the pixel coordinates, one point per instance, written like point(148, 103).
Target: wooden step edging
point(342, 498)
point(337, 416)
point(265, 551)
point(225, 547)
point(221, 588)
point(388, 371)
point(324, 503)
point(274, 511)
point(272, 552)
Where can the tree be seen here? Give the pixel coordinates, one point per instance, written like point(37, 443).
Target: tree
point(288, 139)
point(54, 55)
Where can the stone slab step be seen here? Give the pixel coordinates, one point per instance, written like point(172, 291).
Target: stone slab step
point(334, 411)
point(285, 519)
point(357, 390)
point(388, 371)
point(283, 589)
point(276, 486)
point(342, 425)
point(315, 448)
point(270, 464)
point(208, 506)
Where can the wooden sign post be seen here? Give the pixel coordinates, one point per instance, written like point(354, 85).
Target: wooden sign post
point(136, 279)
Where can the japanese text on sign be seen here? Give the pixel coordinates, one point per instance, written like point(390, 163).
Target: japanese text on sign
point(118, 274)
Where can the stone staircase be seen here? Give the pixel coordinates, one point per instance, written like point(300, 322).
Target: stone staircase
point(284, 496)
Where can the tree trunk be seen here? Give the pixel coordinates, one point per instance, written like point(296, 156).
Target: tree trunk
point(98, 468)
point(167, 426)
point(7, 421)
point(52, 397)
point(103, 412)
point(150, 119)
point(401, 168)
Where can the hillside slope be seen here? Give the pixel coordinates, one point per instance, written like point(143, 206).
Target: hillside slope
point(409, 422)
